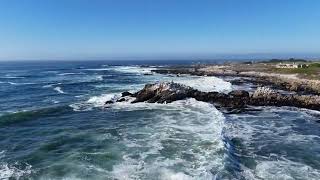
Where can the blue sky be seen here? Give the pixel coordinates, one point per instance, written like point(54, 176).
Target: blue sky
point(124, 29)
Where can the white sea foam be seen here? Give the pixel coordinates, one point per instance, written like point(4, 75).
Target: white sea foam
point(205, 84)
point(99, 77)
point(98, 101)
point(2, 154)
point(134, 69)
point(80, 106)
point(15, 83)
point(10, 171)
point(67, 74)
point(94, 101)
point(170, 175)
point(185, 123)
point(285, 169)
point(12, 83)
point(192, 127)
point(275, 129)
point(55, 101)
point(7, 172)
point(59, 90)
point(12, 77)
point(50, 85)
point(97, 69)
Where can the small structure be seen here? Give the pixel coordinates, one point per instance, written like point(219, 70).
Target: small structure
point(291, 66)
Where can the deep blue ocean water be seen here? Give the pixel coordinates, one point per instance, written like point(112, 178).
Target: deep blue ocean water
point(54, 125)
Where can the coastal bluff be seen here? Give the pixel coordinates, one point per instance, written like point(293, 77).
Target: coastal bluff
point(167, 92)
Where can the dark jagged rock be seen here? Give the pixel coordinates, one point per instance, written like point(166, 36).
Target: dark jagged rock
point(163, 93)
point(121, 100)
point(109, 102)
point(145, 94)
point(126, 94)
point(239, 94)
point(240, 81)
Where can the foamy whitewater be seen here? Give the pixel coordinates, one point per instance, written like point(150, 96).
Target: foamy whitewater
point(54, 124)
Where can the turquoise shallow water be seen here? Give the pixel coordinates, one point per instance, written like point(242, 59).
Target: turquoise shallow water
point(53, 126)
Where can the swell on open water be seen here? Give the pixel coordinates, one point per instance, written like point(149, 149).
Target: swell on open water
point(53, 125)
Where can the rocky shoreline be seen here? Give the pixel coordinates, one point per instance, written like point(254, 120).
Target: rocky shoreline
point(167, 92)
point(299, 93)
point(275, 81)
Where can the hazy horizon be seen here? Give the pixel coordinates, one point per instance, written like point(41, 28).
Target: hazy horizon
point(226, 57)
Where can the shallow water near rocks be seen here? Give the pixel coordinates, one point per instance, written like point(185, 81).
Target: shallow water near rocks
point(53, 126)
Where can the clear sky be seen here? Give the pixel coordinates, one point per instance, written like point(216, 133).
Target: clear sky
point(106, 29)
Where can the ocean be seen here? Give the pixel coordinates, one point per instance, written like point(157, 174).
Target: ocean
point(54, 125)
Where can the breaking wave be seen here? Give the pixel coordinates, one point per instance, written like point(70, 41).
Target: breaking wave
point(184, 141)
point(94, 101)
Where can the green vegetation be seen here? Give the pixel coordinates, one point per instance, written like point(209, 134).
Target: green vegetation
point(314, 65)
point(310, 72)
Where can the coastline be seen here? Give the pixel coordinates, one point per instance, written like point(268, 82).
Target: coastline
point(217, 120)
point(259, 76)
point(272, 89)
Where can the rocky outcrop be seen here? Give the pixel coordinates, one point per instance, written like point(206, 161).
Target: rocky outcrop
point(169, 92)
point(163, 93)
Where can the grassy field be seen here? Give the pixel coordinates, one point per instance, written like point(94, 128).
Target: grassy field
point(311, 72)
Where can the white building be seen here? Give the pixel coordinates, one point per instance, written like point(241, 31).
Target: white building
point(287, 65)
point(294, 65)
